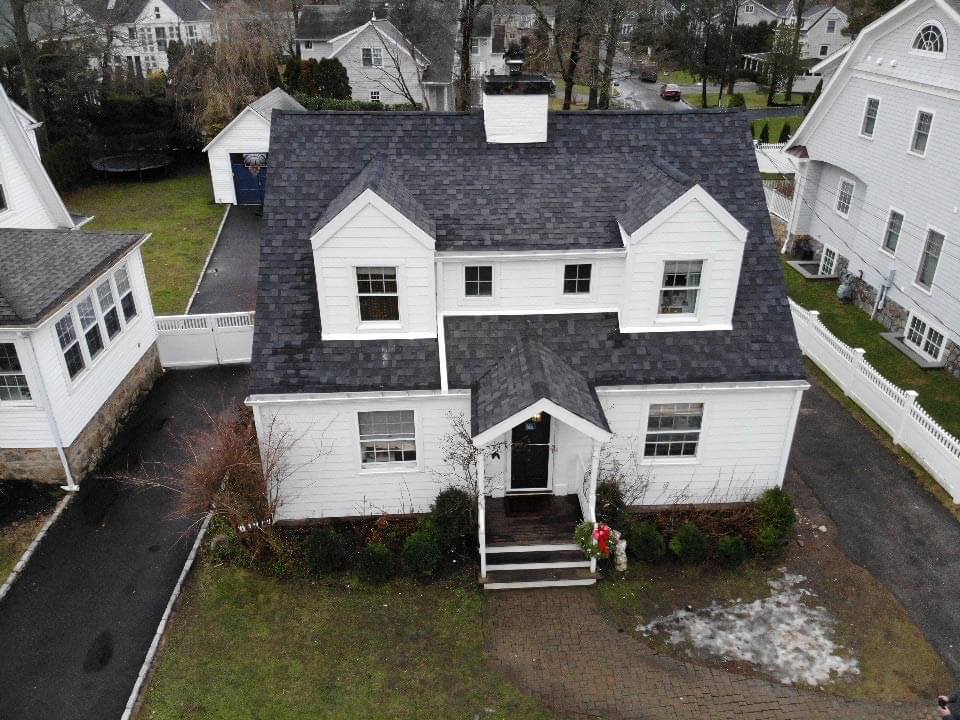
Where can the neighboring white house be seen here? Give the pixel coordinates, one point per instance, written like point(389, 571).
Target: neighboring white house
point(238, 155)
point(382, 65)
point(498, 27)
point(415, 267)
point(659, 10)
point(878, 187)
point(821, 28)
point(77, 337)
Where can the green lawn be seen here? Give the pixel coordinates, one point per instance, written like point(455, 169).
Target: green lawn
point(754, 99)
point(776, 125)
point(180, 213)
point(939, 390)
point(247, 646)
point(679, 77)
point(14, 541)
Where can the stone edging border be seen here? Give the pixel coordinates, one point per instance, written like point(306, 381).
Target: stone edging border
point(28, 553)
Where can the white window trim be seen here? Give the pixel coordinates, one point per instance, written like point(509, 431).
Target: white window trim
point(821, 51)
point(823, 257)
point(387, 468)
point(863, 116)
point(676, 459)
point(32, 402)
point(373, 58)
point(749, 8)
point(831, 20)
point(913, 132)
point(377, 98)
point(589, 293)
point(853, 193)
point(929, 326)
point(927, 53)
point(682, 318)
point(923, 248)
point(308, 44)
point(380, 324)
point(883, 232)
point(494, 279)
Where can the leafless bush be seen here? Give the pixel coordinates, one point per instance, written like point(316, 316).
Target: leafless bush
point(460, 456)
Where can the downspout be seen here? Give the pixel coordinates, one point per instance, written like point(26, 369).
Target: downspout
point(44, 398)
point(882, 292)
point(441, 338)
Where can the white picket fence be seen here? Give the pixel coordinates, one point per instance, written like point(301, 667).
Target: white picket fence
point(895, 410)
point(204, 340)
point(777, 203)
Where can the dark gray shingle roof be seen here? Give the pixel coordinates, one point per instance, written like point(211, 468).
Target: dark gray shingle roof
point(324, 22)
point(562, 194)
point(276, 99)
point(526, 373)
point(659, 185)
point(43, 268)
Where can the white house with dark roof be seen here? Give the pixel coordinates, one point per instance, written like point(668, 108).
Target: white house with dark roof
point(821, 27)
point(239, 154)
point(599, 290)
point(382, 64)
point(877, 183)
point(497, 27)
point(77, 337)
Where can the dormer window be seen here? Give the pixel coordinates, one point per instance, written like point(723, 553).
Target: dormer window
point(930, 39)
point(377, 294)
point(681, 287)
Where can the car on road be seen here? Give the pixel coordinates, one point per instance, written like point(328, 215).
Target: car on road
point(648, 72)
point(670, 91)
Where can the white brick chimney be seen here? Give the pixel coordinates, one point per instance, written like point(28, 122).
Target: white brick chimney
point(515, 106)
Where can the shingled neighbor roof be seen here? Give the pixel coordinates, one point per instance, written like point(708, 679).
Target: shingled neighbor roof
point(659, 185)
point(526, 373)
point(564, 194)
point(128, 12)
point(44, 268)
point(276, 99)
point(385, 182)
point(325, 22)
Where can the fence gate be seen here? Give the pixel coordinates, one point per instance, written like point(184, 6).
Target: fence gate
point(204, 340)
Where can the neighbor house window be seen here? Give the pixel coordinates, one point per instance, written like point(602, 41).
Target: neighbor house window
point(13, 383)
point(921, 133)
point(308, 44)
point(924, 338)
point(870, 117)
point(374, 96)
point(108, 308)
point(824, 50)
point(474, 46)
point(90, 326)
point(929, 259)
point(132, 33)
point(127, 303)
point(70, 344)
point(576, 279)
point(372, 57)
point(828, 262)
point(478, 280)
point(891, 235)
point(844, 197)
point(681, 286)
point(161, 38)
point(3, 199)
point(377, 292)
point(929, 39)
point(387, 437)
point(156, 12)
point(673, 430)
point(748, 9)
point(831, 26)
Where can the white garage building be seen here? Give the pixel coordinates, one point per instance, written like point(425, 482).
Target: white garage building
point(238, 155)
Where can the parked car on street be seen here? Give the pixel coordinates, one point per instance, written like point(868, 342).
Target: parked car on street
point(670, 91)
point(648, 72)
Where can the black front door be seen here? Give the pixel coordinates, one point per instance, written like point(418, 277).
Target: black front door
point(530, 454)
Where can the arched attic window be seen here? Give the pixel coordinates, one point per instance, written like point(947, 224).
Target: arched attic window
point(930, 39)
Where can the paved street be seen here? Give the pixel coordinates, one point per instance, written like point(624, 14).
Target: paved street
point(77, 624)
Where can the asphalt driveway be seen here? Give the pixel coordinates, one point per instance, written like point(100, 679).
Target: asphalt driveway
point(886, 522)
point(77, 624)
point(230, 281)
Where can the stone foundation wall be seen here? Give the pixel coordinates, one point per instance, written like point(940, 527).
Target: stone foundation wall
point(86, 451)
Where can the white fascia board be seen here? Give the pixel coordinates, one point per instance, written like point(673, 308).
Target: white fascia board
point(455, 256)
point(770, 385)
point(369, 197)
point(831, 59)
point(346, 38)
point(341, 397)
point(236, 119)
point(696, 193)
point(470, 312)
point(677, 327)
point(384, 37)
point(552, 409)
point(380, 335)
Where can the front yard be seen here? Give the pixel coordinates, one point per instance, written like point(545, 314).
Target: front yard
point(180, 213)
point(939, 390)
point(753, 99)
point(245, 645)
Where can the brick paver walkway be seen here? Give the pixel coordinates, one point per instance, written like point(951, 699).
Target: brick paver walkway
point(552, 643)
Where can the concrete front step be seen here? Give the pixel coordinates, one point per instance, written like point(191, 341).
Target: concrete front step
point(537, 578)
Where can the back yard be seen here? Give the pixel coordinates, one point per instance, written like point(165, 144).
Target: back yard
point(180, 213)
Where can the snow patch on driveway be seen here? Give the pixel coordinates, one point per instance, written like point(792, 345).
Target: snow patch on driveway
point(781, 634)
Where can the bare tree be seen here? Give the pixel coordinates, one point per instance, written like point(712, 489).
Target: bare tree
point(571, 30)
point(460, 456)
point(795, 48)
point(467, 17)
point(401, 58)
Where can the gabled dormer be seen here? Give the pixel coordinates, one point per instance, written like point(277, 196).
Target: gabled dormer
point(373, 251)
point(684, 254)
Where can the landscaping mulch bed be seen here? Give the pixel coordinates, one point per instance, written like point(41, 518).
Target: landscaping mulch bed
point(20, 500)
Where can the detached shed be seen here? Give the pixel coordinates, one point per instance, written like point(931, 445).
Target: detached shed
point(239, 154)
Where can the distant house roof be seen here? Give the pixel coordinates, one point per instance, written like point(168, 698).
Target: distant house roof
point(488, 197)
point(51, 266)
point(325, 22)
point(276, 99)
point(127, 11)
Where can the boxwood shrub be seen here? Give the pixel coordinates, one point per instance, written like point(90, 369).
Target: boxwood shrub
point(421, 555)
point(689, 544)
point(644, 542)
point(326, 551)
point(376, 563)
point(731, 550)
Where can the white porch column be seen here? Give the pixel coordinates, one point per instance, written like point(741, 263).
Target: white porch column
point(592, 497)
point(482, 514)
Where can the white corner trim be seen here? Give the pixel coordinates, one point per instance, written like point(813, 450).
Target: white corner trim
point(28, 553)
point(145, 669)
point(361, 396)
point(206, 263)
point(694, 194)
point(370, 197)
point(550, 407)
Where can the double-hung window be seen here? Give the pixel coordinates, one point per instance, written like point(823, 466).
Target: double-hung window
point(478, 280)
point(374, 96)
point(576, 279)
point(474, 46)
point(90, 326)
point(749, 9)
point(108, 308)
point(377, 294)
point(844, 197)
point(831, 26)
point(891, 236)
point(387, 437)
point(921, 133)
point(372, 57)
point(824, 50)
point(13, 383)
point(828, 262)
point(869, 123)
point(929, 259)
point(127, 302)
point(70, 344)
point(924, 338)
point(673, 430)
point(681, 287)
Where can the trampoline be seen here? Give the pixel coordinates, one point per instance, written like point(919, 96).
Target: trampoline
point(132, 163)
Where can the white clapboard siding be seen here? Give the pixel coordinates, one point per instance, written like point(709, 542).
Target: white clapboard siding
point(25, 206)
point(249, 132)
point(895, 409)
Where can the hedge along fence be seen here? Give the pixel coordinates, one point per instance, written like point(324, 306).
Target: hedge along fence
point(895, 410)
point(312, 102)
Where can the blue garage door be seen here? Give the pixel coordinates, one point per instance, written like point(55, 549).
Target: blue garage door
point(249, 177)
